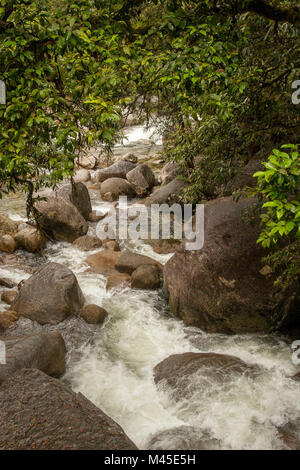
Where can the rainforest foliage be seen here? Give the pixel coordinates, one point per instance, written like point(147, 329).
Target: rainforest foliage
point(215, 75)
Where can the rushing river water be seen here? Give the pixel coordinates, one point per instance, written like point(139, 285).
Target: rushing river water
point(112, 364)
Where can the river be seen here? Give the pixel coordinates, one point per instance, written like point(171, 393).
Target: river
point(112, 364)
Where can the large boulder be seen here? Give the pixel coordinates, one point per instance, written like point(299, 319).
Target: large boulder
point(86, 161)
point(93, 314)
point(9, 296)
point(183, 438)
point(179, 370)
point(50, 295)
point(111, 245)
point(104, 261)
point(168, 194)
point(116, 170)
point(117, 280)
point(40, 412)
point(7, 244)
point(130, 157)
point(7, 226)
point(146, 276)
point(223, 287)
point(113, 188)
point(30, 239)
point(169, 173)
point(87, 243)
point(44, 351)
point(61, 219)
point(127, 262)
point(82, 176)
point(142, 179)
point(8, 318)
point(78, 195)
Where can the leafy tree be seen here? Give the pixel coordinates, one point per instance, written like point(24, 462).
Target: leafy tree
point(60, 62)
point(221, 73)
point(217, 74)
point(278, 185)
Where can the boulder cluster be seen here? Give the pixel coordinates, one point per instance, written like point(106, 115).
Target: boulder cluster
point(222, 288)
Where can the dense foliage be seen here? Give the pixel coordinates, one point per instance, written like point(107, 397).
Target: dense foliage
point(279, 186)
point(215, 75)
point(63, 92)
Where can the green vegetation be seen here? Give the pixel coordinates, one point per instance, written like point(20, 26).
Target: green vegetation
point(216, 75)
point(279, 185)
point(63, 89)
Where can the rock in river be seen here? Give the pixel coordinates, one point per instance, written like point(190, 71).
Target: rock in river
point(61, 219)
point(113, 188)
point(40, 412)
point(222, 287)
point(127, 262)
point(179, 370)
point(146, 277)
point(79, 196)
point(44, 351)
point(117, 170)
point(50, 295)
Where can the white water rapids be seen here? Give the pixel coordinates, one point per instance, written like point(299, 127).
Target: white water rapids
point(112, 365)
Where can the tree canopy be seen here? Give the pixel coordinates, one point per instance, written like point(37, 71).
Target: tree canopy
point(216, 75)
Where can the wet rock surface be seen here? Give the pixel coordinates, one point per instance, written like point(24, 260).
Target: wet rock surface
point(221, 288)
point(40, 412)
point(93, 314)
point(8, 319)
point(146, 277)
point(183, 438)
point(9, 283)
point(113, 188)
point(50, 295)
point(87, 243)
point(44, 351)
point(128, 262)
point(169, 193)
point(104, 261)
point(7, 244)
point(30, 239)
point(177, 371)
point(61, 219)
point(9, 296)
point(290, 434)
point(79, 196)
point(141, 178)
point(117, 170)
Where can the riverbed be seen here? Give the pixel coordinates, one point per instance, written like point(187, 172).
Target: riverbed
point(112, 364)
